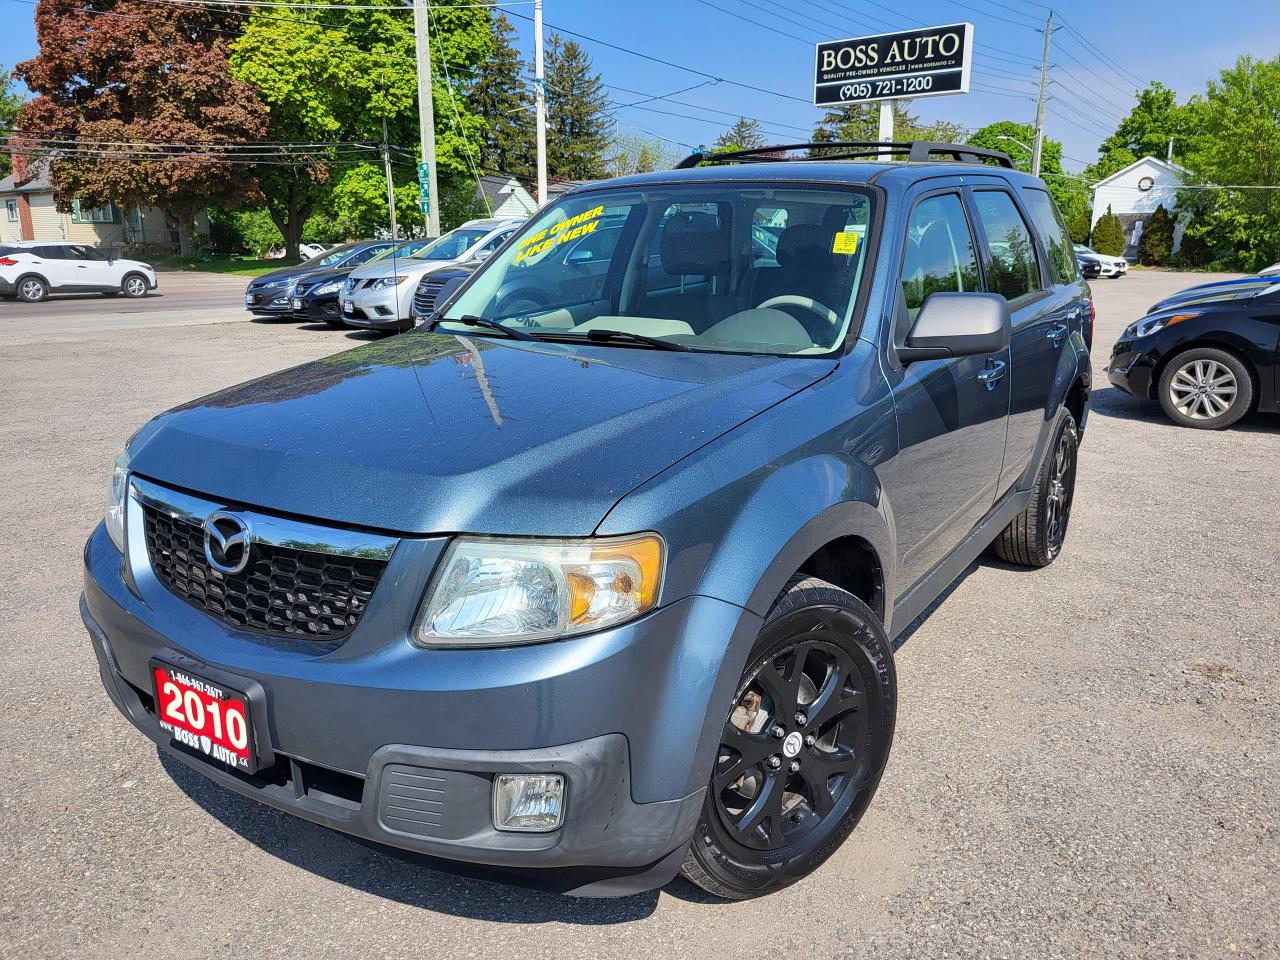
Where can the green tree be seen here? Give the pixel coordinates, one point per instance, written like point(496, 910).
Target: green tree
point(1235, 141)
point(501, 97)
point(860, 123)
point(10, 104)
point(744, 134)
point(1108, 234)
point(1017, 139)
point(148, 75)
point(1080, 226)
point(1156, 244)
point(330, 75)
point(577, 124)
point(631, 153)
point(1154, 120)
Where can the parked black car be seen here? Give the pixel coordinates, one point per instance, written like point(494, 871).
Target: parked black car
point(438, 286)
point(315, 295)
point(272, 293)
point(1207, 354)
point(1090, 267)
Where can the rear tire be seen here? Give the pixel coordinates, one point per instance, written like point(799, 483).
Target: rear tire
point(1206, 389)
point(803, 747)
point(1034, 538)
point(32, 289)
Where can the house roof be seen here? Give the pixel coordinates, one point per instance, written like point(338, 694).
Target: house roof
point(496, 186)
point(1179, 172)
point(37, 184)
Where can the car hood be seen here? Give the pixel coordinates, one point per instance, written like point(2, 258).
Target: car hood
point(402, 267)
point(289, 273)
point(1218, 292)
point(433, 433)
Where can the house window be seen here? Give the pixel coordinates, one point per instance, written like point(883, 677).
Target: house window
point(107, 214)
point(11, 210)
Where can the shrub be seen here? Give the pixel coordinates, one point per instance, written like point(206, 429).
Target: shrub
point(1156, 244)
point(1108, 235)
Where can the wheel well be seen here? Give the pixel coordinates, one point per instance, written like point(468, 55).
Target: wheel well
point(1168, 358)
point(851, 564)
point(1076, 398)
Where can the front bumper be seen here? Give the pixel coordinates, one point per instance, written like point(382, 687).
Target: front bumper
point(379, 309)
point(628, 716)
point(1132, 369)
point(275, 303)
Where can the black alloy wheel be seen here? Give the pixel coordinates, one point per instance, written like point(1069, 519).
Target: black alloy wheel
point(1034, 537)
point(803, 748)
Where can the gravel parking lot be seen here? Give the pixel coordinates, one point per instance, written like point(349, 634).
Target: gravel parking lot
point(1087, 760)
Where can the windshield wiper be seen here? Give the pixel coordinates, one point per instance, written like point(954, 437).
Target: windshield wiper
point(604, 336)
point(471, 321)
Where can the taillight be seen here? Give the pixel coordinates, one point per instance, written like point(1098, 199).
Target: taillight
point(8, 262)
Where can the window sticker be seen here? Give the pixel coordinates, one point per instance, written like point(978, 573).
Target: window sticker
point(558, 233)
point(845, 242)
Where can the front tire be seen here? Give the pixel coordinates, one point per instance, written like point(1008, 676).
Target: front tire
point(1034, 538)
point(134, 285)
point(1206, 389)
point(804, 745)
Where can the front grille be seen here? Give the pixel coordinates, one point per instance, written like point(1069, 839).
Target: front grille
point(424, 298)
point(283, 592)
point(301, 288)
point(350, 285)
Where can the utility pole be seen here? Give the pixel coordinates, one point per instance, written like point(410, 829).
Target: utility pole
point(540, 98)
point(1037, 145)
point(391, 190)
point(885, 134)
point(426, 119)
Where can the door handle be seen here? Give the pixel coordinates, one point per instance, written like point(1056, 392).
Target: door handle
point(1058, 331)
point(993, 373)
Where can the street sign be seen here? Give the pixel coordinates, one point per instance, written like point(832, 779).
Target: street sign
point(424, 188)
point(927, 62)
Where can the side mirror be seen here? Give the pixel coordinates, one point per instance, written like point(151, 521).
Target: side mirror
point(483, 255)
point(579, 257)
point(958, 325)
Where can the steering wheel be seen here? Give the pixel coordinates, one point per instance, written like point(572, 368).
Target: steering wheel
point(792, 300)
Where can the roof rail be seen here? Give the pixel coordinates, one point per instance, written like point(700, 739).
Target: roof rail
point(915, 151)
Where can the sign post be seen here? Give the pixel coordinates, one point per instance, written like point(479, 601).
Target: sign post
point(928, 62)
point(424, 188)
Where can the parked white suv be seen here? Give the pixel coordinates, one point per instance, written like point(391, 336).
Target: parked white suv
point(379, 295)
point(33, 269)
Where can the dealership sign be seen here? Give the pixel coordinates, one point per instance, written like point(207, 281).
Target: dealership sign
point(915, 63)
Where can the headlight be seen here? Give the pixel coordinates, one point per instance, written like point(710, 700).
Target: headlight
point(114, 518)
point(1149, 325)
point(384, 282)
point(333, 286)
point(491, 592)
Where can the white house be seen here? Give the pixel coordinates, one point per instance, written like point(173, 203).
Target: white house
point(1133, 195)
point(505, 197)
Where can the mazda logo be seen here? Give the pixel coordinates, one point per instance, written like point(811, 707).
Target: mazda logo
point(226, 542)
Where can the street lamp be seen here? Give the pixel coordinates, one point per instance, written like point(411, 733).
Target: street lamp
point(1018, 142)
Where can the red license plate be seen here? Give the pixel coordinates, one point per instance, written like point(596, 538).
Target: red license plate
point(205, 716)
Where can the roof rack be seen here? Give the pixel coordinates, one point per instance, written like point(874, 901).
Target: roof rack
point(915, 151)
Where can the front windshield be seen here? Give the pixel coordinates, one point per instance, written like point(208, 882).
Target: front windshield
point(410, 248)
point(731, 267)
point(336, 255)
point(452, 245)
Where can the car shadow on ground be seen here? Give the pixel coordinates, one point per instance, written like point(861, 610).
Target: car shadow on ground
point(459, 890)
point(1115, 404)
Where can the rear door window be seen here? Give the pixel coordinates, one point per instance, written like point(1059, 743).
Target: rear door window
point(1053, 230)
point(940, 252)
point(52, 252)
point(1012, 268)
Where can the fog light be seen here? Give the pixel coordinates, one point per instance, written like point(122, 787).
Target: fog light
point(531, 803)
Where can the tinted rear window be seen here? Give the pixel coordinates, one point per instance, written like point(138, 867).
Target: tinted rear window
point(1053, 229)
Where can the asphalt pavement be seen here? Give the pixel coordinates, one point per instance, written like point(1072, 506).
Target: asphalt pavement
point(1087, 761)
point(181, 298)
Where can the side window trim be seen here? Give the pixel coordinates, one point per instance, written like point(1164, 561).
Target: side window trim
point(901, 324)
point(1046, 282)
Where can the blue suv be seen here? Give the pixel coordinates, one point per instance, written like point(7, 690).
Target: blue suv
point(606, 587)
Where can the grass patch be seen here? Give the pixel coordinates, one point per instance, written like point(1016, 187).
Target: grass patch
point(234, 266)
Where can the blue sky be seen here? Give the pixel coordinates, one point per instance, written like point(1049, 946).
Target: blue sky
point(1179, 43)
